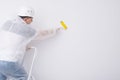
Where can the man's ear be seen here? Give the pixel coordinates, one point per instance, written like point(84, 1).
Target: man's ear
point(25, 19)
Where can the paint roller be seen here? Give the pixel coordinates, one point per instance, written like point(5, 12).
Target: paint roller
point(63, 25)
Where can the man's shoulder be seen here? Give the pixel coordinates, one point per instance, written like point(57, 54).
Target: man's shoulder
point(10, 21)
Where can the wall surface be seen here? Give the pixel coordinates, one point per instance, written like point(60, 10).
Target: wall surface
point(88, 50)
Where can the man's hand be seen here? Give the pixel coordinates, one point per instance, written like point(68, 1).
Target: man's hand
point(28, 48)
point(59, 29)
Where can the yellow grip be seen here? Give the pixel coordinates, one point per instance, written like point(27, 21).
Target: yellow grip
point(63, 25)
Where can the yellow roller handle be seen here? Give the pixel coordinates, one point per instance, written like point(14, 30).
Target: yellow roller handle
point(63, 25)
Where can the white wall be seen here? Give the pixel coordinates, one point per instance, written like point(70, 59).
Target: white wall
point(88, 50)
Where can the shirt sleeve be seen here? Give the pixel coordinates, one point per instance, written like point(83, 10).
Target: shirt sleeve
point(44, 34)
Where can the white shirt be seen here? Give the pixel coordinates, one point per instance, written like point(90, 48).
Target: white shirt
point(15, 35)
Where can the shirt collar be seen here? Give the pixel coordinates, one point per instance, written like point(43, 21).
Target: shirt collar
point(20, 20)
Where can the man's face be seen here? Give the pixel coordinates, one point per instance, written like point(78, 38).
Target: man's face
point(28, 20)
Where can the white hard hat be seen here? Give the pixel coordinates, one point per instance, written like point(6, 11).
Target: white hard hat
point(26, 11)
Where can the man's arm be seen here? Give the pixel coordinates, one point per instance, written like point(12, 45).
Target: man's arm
point(44, 34)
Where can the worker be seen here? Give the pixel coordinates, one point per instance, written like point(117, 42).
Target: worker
point(14, 37)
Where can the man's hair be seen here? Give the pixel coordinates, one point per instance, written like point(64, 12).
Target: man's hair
point(24, 17)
